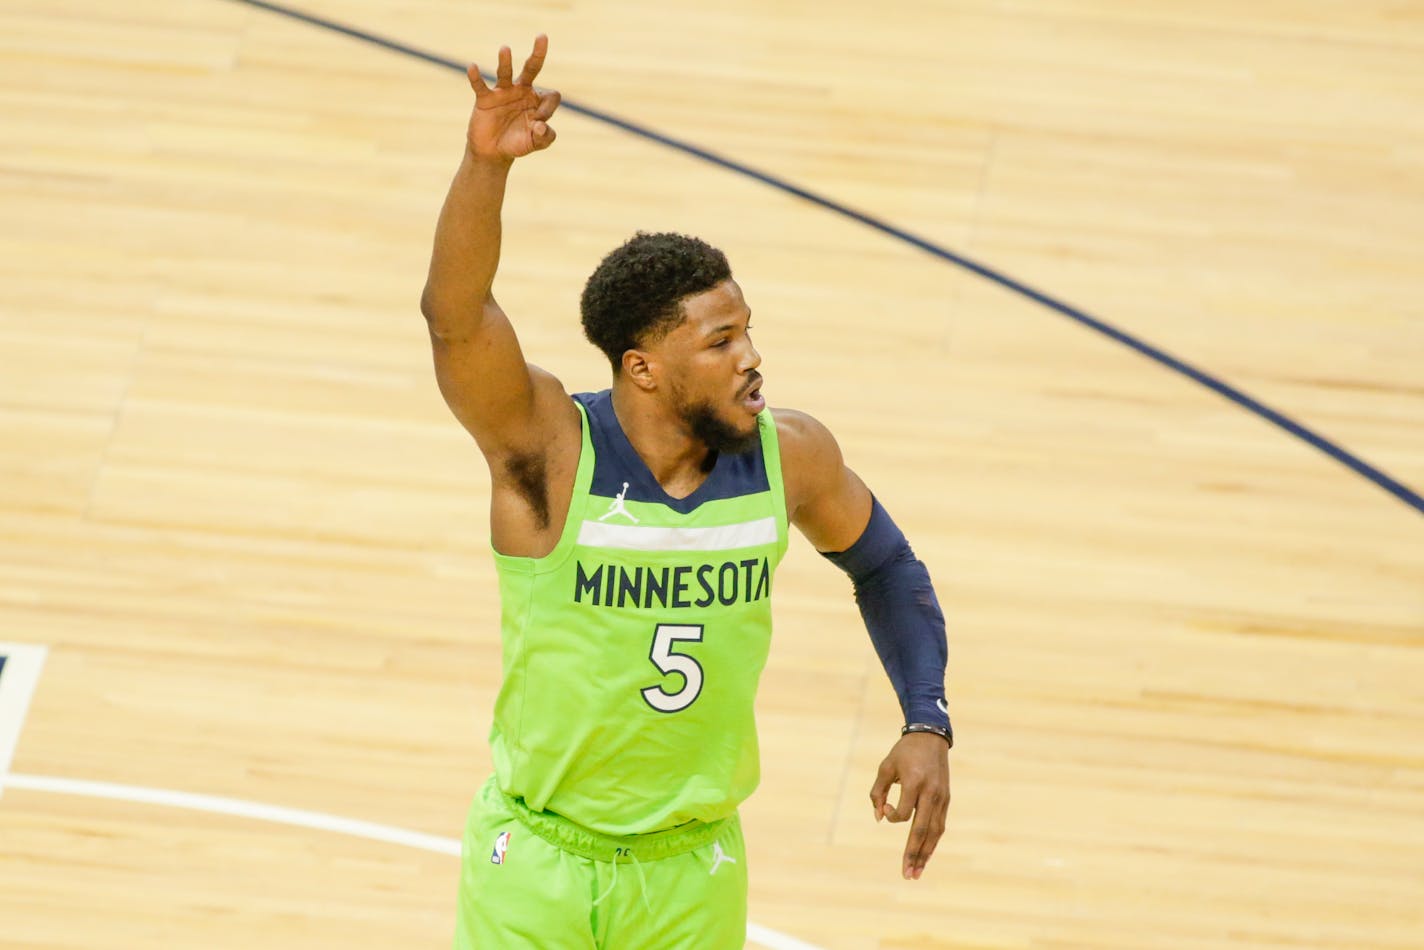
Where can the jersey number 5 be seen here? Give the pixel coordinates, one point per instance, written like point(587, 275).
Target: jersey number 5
point(668, 660)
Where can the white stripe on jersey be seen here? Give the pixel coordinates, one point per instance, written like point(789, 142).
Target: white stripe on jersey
point(595, 534)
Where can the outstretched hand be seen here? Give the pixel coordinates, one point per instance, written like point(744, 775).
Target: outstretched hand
point(919, 762)
point(511, 119)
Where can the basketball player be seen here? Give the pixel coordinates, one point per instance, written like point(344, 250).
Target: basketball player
point(635, 532)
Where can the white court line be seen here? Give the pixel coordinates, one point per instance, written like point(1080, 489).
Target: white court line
point(168, 798)
point(19, 672)
point(238, 808)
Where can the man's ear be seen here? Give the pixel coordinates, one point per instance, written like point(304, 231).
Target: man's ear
point(637, 366)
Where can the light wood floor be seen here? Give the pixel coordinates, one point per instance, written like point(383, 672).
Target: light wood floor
point(1187, 649)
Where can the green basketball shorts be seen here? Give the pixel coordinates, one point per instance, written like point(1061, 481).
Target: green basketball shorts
point(536, 880)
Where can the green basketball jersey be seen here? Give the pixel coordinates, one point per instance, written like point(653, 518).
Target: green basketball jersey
point(632, 651)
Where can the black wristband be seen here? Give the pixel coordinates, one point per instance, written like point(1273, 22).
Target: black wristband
point(943, 732)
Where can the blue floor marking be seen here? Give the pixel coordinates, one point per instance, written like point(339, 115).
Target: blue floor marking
point(1401, 491)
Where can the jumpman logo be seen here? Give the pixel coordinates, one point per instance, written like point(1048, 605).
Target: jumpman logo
point(617, 507)
point(718, 856)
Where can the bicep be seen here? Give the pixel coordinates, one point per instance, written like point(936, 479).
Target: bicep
point(488, 385)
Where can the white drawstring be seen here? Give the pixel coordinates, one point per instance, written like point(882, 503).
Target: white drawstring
point(613, 882)
point(643, 881)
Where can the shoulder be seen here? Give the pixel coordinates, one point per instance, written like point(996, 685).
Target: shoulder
point(810, 456)
point(550, 396)
point(804, 439)
point(546, 384)
point(554, 428)
point(824, 498)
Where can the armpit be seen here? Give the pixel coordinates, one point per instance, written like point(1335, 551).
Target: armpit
point(528, 473)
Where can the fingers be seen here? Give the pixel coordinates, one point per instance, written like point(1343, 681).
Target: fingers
point(504, 76)
point(880, 790)
point(930, 805)
point(541, 135)
point(548, 102)
point(535, 62)
point(477, 82)
point(922, 771)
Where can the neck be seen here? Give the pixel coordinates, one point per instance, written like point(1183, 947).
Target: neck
point(677, 459)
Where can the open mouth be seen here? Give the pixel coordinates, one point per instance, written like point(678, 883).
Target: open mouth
point(752, 398)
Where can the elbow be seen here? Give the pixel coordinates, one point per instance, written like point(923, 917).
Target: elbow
point(451, 319)
point(437, 316)
point(428, 308)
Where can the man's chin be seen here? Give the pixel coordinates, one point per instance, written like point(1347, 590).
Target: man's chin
point(731, 440)
point(742, 443)
point(723, 436)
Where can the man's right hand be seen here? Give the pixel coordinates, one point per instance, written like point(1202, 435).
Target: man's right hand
point(512, 119)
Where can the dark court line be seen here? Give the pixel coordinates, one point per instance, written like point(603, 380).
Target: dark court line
point(1222, 388)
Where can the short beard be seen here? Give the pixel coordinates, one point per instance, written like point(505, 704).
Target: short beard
point(716, 434)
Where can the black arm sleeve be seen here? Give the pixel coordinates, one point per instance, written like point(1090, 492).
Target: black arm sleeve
point(902, 614)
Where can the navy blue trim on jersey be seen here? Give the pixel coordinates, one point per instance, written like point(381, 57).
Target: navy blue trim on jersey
point(616, 462)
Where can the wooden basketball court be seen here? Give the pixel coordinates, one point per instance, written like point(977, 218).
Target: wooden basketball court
point(1187, 645)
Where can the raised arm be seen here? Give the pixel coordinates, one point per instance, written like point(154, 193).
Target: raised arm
point(510, 407)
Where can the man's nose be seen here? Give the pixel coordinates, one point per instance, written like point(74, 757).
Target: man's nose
point(751, 359)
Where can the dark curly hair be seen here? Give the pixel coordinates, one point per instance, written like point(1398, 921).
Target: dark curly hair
point(635, 294)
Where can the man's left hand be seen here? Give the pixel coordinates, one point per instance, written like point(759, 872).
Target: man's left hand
point(919, 763)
